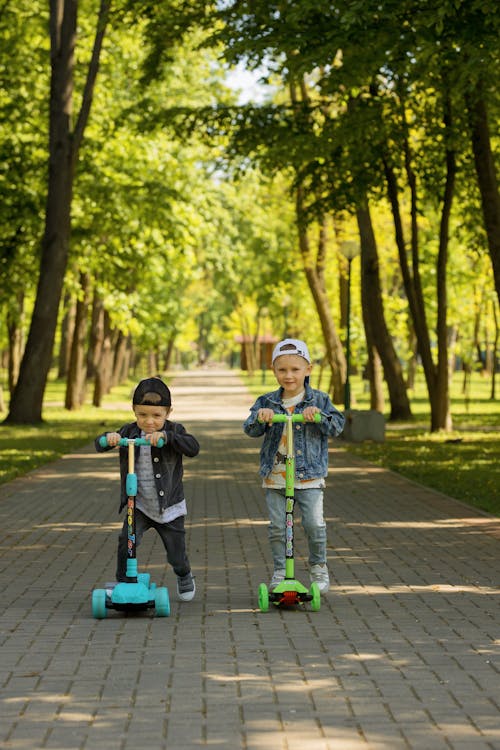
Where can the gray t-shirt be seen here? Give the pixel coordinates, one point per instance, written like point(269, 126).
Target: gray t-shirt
point(147, 495)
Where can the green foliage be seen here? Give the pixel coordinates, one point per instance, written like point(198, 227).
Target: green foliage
point(23, 134)
point(182, 212)
point(139, 195)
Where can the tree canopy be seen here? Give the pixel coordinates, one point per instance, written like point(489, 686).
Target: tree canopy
point(146, 213)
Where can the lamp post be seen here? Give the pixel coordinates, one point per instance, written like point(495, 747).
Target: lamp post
point(263, 345)
point(349, 249)
point(285, 303)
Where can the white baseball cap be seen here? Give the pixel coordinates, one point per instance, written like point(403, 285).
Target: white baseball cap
point(291, 346)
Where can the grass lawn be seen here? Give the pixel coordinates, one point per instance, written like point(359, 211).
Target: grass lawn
point(464, 464)
point(26, 447)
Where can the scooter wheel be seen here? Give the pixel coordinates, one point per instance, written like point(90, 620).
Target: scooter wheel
point(162, 602)
point(263, 597)
point(316, 597)
point(99, 604)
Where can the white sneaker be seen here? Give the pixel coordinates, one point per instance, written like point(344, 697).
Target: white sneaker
point(278, 577)
point(319, 575)
point(186, 587)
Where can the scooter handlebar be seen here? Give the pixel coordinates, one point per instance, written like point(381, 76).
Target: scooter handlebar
point(294, 417)
point(103, 442)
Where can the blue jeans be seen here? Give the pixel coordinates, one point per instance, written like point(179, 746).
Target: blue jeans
point(310, 503)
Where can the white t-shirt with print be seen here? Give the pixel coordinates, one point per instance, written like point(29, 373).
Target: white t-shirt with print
point(277, 478)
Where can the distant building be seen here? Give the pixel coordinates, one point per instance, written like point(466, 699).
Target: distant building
point(260, 347)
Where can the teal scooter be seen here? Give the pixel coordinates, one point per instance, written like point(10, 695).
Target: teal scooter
point(137, 593)
point(290, 592)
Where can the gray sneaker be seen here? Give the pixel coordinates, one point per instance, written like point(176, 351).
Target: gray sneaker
point(319, 575)
point(186, 587)
point(278, 577)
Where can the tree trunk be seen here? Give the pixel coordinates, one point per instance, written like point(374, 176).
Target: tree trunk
point(452, 342)
point(477, 327)
point(248, 361)
point(440, 403)
point(167, 360)
point(411, 373)
point(373, 311)
point(343, 290)
point(64, 145)
point(495, 352)
point(26, 401)
point(152, 364)
point(486, 175)
point(127, 359)
point(95, 335)
point(105, 364)
point(119, 358)
point(77, 371)
point(67, 326)
point(436, 376)
point(375, 374)
point(314, 271)
point(15, 336)
point(417, 310)
point(374, 370)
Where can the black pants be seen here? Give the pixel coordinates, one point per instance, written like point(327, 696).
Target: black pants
point(172, 535)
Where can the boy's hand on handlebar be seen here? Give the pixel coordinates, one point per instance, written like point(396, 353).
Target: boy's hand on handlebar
point(309, 413)
point(265, 415)
point(113, 438)
point(154, 437)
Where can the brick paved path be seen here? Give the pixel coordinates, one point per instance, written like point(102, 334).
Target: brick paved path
point(404, 652)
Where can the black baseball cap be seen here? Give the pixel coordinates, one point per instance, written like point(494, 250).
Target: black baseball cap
point(152, 392)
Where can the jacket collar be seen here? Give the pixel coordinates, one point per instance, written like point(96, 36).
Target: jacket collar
point(276, 396)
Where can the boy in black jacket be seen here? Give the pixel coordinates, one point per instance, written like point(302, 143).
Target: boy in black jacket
point(160, 501)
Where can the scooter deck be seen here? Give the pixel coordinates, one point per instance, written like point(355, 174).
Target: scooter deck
point(289, 593)
point(131, 597)
point(289, 584)
point(132, 594)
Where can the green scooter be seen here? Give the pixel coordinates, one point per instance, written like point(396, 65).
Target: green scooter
point(290, 592)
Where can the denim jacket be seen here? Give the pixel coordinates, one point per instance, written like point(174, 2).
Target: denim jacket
point(310, 439)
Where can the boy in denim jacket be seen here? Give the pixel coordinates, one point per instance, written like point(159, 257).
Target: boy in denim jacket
point(292, 366)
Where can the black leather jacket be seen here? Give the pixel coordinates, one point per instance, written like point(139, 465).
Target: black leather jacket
point(167, 461)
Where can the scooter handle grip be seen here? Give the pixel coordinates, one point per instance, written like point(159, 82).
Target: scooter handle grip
point(103, 442)
point(295, 418)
